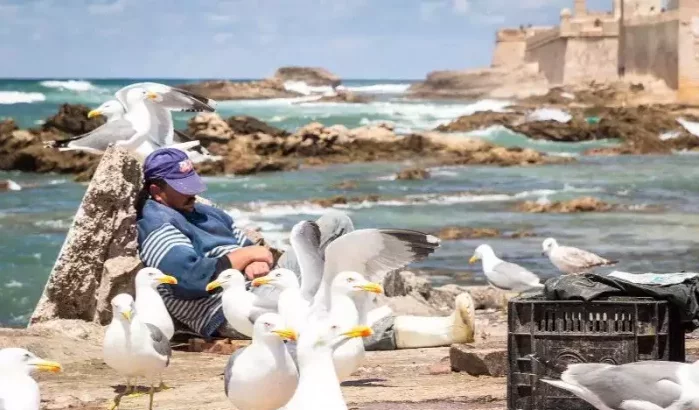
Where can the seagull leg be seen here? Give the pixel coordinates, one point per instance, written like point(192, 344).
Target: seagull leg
point(152, 392)
point(163, 386)
point(134, 391)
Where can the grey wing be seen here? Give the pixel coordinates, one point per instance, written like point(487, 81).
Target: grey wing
point(100, 138)
point(182, 100)
point(516, 274)
point(372, 253)
point(654, 382)
point(580, 258)
point(160, 343)
point(228, 370)
point(305, 241)
point(291, 347)
point(2, 404)
point(181, 137)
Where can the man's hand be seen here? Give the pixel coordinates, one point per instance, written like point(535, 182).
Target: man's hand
point(256, 269)
point(241, 258)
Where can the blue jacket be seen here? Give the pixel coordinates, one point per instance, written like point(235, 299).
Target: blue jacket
point(191, 246)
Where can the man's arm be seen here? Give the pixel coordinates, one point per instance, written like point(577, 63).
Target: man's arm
point(169, 250)
point(254, 261)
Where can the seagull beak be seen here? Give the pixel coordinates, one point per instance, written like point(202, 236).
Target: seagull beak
point(168, 279)
point(127, 314)
point(286, 334)
point(213, 285)
point(473, 259)
point(46, 366)
point(151, 95)
point(261, 281)
point(359, 331)
point(94, 113)
point(371, 287)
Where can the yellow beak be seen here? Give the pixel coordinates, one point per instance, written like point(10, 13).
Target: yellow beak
point(151, 95)
point(261, 281)
point(168, 279)
point(94, 113)
point(371, 287)
point(286, 334)
point(46, 366)
point(359, 331)
point(127, 314)
point(473, 259)
point(213, 285)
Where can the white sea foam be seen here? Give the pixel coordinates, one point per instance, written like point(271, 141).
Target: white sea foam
point(57, 224)
point(19, 97)
point(71, 85)
point(13, 186)
point(14, 284)
point(380, 88)
point(305, 89)
point(668, 135)
point(549, 114)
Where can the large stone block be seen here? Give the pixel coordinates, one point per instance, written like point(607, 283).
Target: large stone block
point(99, 256)
point(478, 361)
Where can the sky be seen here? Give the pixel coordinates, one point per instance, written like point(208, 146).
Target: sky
point(373, 39)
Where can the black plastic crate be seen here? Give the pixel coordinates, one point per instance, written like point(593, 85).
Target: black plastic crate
point(546, 335)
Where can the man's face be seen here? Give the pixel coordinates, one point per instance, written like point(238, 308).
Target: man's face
point(171, 198)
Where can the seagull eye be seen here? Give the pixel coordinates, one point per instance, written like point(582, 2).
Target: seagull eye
point(27, 356)
point(350, 280)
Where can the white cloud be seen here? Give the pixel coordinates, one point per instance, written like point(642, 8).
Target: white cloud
point(220, 38)
point(428, 9)
point(115, 7)
point(221, 18)
point(461, 6)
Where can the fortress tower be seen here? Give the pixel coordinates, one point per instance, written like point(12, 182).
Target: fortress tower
point(633, 8)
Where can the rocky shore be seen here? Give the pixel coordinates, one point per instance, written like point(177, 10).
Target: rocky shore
point(249, 145)
point(596, 113)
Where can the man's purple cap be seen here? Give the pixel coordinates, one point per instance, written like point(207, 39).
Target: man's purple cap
point(175, 167)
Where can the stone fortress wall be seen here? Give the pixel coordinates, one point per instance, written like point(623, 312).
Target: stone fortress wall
point(636, 38)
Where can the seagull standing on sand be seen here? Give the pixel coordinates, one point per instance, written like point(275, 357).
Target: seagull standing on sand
point(18, 390)
point(263, 375)
point(350, 355)
point(504, 275)
point(134, 348)
point(319, 387)
point(149, 304)
point(571, 260)
point(240, 307)
point(646, 385)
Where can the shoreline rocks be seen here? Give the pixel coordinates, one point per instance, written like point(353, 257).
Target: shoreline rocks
point(312, 76)
point(458, 232)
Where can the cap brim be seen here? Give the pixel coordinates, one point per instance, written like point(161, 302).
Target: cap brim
point(191, 185)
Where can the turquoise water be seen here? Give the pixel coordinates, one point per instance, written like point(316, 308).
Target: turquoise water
point(34, 221)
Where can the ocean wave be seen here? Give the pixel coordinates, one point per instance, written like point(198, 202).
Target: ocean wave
point(71, 85)
point(57, 224)
point(274, 210)
point(14, 284)
point(305, 89)
point(19, 97)
point(380, 88)
point(549, 114)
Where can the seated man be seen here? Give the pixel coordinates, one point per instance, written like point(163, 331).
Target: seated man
point(196, 242)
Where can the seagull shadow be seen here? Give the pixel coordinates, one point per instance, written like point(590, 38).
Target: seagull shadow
point(121, 388)
point(365, 383)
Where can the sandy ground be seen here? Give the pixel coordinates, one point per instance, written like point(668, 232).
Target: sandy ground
point(405, 379)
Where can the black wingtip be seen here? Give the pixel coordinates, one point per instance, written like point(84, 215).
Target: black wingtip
point(421, 244)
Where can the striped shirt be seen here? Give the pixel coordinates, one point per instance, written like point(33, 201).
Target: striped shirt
point(188, 246)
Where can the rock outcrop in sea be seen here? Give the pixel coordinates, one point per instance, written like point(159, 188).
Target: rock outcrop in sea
point(272, 87)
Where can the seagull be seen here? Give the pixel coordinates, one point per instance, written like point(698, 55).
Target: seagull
point(18, 390)
point(505, 275)
point(296, 310)
point(319, 387)
point(571, 260)
point(160, 110)
point(126, 131)
point(112, 109)
point(645, 385)
point(263, 375)
point(349, 356)
point(291, 305)
point(240, 307)
point(149, 304)
point(134, 348)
